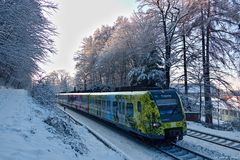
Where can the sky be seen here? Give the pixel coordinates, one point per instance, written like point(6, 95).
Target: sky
point(76, 19)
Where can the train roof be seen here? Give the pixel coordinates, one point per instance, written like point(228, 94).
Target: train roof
point(108, 93)
point(170, 91)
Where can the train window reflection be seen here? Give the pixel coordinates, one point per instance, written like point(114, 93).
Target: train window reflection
point(130, 109)
point(166, 102)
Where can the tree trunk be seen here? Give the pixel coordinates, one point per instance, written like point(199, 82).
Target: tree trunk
point(85, 84)
point(200, 100)
point(207, 90)
point(185, 65)
point(167, 66)
point(167, 54)
point(203, 46)
point(206, 74)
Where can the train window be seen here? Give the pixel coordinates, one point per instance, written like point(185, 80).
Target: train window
point(123, 108)
point(115, 104)
point(108, 105)
point(130, 109)
point(120, 107)
point(98, 102)
point(85, 100)
point(166, 102)
point(92, 101)
point(71, 98)
point(139, 106)
point(78, 98)
point(68, 98)
point(103, 105)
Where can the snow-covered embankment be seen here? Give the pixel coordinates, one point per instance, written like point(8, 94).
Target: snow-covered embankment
point(30, 131)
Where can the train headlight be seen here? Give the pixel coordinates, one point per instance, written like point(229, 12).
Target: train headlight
point(156, 125)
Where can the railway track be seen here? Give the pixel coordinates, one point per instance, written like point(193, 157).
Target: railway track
point(181, 153)
point(222, 141)
point(174, 151)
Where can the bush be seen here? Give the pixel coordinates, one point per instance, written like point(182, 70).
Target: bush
point(44, 93)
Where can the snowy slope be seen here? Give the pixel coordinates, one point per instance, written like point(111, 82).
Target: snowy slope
point(29, 131)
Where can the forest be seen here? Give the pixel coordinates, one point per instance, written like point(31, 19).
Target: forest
point(165, 43)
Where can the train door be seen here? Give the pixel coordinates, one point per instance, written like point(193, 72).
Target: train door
point(121, 111)
point(79, 102)
point(99, 105)
point(129, 114)
point(84, 102)
point(91, 104)
point(103, 110)
point(115, 111)
point(108, 111)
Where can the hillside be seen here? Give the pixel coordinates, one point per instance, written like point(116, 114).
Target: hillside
point(31, 131)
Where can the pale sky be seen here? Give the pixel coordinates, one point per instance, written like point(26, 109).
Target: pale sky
point(76, 19)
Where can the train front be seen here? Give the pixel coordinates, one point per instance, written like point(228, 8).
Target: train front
point(172, 122)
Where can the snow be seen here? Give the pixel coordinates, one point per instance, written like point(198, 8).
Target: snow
point(216, 151)
point(30, 131)
point(136, 150)
point(200, 127)
point(129, 145)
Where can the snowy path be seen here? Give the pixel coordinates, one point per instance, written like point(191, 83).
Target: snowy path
point(32, 132)
point(134, 149)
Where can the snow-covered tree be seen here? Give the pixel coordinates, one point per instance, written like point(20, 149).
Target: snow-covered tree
point(46, 87)
point(217, 23)
point(170, 14)
point(44, 91)
point(60, 80)
point(149, 73)
point(197, 41)
point(25, 40)
point(88, 70)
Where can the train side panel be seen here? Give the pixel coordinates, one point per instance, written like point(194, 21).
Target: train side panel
point(137, 113)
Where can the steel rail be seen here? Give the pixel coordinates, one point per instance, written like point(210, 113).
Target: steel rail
point(219, 140)
point(181, 153)
point(172, 150)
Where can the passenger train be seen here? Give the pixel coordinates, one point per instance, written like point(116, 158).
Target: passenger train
point(152, 114)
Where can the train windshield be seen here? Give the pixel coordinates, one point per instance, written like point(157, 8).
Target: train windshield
point(169, 106)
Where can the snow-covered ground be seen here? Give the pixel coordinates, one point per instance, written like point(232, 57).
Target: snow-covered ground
point(216, 151)
point(200, 127)
point(29, 131)
point(129, 145)
point(140, 151)
point(137, 150)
